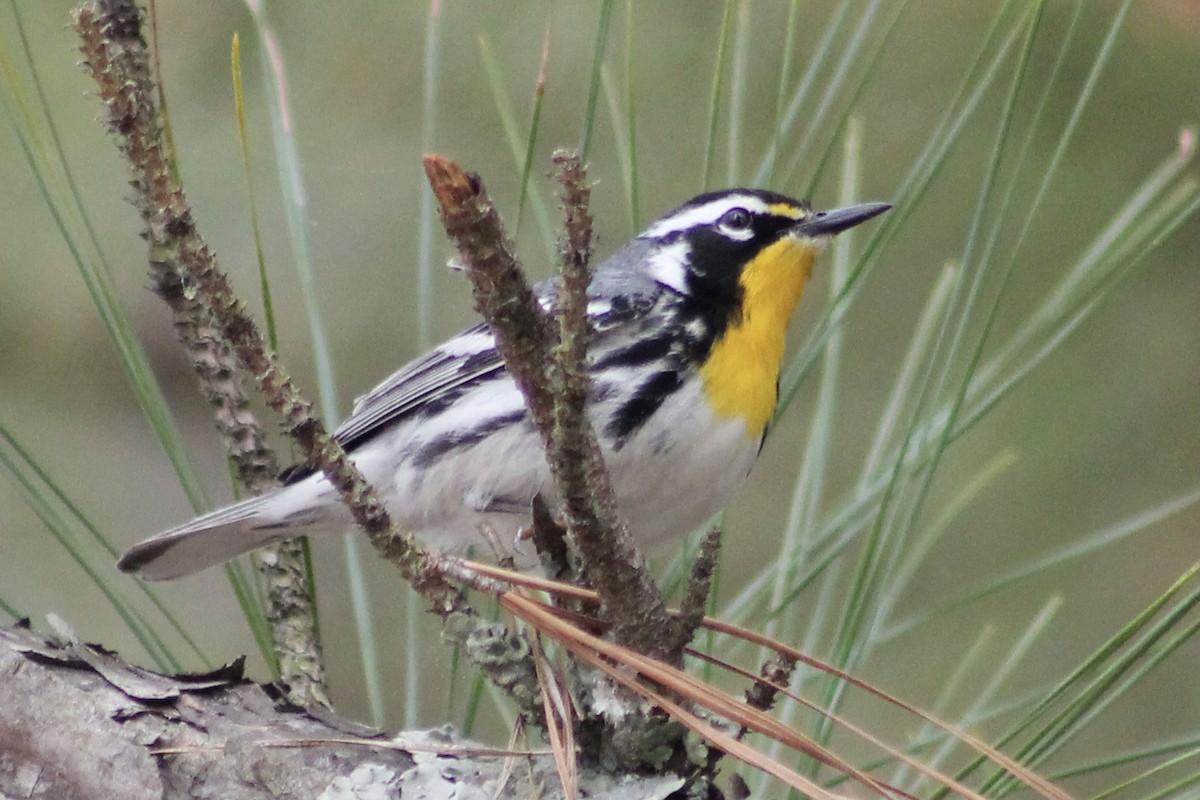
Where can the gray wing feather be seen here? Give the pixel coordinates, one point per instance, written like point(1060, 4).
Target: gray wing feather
point(472, 355)
point(416, 384)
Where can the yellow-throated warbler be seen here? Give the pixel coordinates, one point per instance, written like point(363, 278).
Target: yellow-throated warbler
point(688, 323)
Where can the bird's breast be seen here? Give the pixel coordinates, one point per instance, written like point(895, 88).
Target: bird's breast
point(741, 374)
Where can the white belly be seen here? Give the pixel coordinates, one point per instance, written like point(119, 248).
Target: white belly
point(670, 476)
point(680, 468)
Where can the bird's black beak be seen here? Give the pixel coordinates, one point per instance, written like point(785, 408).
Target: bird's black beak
point(827, 223)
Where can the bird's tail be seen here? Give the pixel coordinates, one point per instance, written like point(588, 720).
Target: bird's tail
point(216, 538)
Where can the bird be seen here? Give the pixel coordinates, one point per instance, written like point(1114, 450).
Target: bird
point(687, 325)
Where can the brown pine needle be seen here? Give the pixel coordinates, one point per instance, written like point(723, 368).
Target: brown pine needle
point(915, 763)
point(528, 580)
point(722, 740)
point(601, 653)
point(566, 620)
point(1021, 772)
point(399, 743)
point(556, 701)
point(510, 762)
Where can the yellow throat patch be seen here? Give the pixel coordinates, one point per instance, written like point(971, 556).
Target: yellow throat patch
point(741, 375)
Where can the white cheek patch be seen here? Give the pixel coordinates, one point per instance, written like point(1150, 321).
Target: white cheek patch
point(668, 266)
point(705, 214)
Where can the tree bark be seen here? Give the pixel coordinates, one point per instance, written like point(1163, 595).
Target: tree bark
point(78, 723)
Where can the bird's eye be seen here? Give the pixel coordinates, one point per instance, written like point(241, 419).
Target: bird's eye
point(737, 219)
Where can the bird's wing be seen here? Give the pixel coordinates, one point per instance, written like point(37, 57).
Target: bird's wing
point(439, 377)
point(423, 385)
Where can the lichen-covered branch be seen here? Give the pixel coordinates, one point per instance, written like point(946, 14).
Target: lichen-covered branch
point(554, 389)
point(187, 275)
point(116, 56)
point(79, 722)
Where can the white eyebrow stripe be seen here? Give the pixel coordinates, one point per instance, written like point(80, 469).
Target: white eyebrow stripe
point(705, 214)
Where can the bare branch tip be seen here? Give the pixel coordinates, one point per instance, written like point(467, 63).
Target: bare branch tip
point(453, 186)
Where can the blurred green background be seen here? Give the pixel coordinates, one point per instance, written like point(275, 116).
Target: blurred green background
point(1109, 425)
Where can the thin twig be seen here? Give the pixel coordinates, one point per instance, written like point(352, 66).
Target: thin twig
point(699, 584)
point(776, 672)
